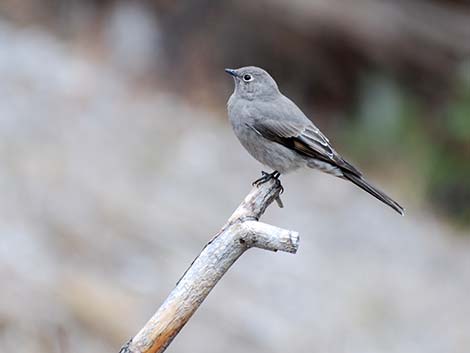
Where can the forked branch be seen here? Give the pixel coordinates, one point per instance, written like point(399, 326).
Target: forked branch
point(241, 232)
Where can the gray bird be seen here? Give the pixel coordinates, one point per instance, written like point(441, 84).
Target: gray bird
point(279, 135)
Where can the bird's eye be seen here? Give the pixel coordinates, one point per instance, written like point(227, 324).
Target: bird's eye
point(247, 78)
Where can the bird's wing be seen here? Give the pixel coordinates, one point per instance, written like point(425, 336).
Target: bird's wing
point(304, 138)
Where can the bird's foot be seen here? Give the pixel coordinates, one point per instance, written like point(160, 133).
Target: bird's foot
point(268, 176)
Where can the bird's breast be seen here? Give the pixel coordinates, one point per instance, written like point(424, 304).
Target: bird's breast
point(267, 152)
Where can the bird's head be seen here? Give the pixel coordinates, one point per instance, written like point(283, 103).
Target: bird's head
point(252, 82)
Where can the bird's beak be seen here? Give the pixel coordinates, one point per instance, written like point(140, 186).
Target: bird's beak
point(232, 72)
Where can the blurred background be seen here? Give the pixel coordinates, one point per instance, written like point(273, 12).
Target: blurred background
point(118, 164)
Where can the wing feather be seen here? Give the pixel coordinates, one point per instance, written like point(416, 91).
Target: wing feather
point(303, 137)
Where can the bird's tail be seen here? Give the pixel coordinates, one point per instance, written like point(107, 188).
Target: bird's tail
point(364, 185)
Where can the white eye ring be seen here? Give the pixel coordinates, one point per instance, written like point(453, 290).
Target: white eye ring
point(247, 78)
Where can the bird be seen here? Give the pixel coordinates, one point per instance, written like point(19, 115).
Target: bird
point(274, 130)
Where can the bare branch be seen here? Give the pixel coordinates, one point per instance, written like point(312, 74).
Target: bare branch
point(241, 232)
point(268, 237)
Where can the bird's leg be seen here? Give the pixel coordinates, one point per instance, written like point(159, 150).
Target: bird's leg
point(266, 177)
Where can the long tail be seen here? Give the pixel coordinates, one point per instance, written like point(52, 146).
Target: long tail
point(364, 185)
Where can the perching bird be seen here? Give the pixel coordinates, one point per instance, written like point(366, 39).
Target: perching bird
point(276, 132)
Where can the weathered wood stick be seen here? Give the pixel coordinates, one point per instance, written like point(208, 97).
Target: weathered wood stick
point(241, 232)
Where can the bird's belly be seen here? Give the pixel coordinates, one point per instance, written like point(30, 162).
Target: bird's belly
point(270, 153)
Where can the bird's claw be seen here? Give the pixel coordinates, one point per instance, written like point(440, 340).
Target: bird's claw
point(265, 177)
